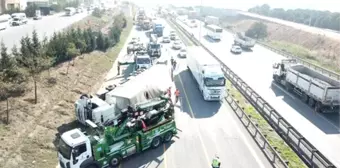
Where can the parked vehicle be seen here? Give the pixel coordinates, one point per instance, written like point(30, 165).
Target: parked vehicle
point(182, 53)
point(19, 19)
point(70, 11)
point(177, 45)
point(166, 39)
point(243, 41)
point(236, 49)
point(317, 90)
point(37, 15)
point(5, 21)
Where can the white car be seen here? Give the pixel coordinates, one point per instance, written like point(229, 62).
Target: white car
point(182, 53)
point(177, 45)
point(166, 39)
point(236, 49)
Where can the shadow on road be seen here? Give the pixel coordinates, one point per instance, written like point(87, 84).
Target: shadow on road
point(189, 91)
point(309, 113)
point(206, 37)
point(150, 158)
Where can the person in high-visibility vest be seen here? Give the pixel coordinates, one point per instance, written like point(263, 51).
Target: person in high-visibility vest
point(216, 162)
point(176, 95)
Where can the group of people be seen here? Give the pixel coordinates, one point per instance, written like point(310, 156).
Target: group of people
point(176, 93)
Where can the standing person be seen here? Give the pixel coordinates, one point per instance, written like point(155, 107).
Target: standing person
point(216, 162)
point(176, 95)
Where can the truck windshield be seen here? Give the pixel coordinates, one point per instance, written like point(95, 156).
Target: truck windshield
point(64, 149)
point(155, 46)
point(143, 61)
point(210, 82)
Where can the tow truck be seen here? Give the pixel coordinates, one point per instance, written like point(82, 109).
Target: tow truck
point(132, 133)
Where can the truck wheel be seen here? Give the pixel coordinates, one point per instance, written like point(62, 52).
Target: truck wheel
point(304, 98)
point(311, 102)
point(288, 87)
point(317, 107)
point(168, 136)
point(156, 142)
point(115, 161)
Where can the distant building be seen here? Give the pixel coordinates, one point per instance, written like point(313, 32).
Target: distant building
point(13, 4)
point(39, 3)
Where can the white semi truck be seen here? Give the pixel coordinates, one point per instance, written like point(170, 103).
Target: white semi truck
point(211, 20)
point(317, 90)
point(207, 73)
point(106, 106)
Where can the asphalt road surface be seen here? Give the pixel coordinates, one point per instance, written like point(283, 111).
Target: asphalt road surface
point(204, 129)
point(255, 68)
point(44, 27)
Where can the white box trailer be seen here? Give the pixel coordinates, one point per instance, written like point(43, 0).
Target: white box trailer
point(207, 72)
point(211, 20)
point(317, 90)
point(152, 82)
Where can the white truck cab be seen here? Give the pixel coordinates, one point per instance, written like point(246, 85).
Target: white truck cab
point(143, 61)
point(75, 151)
point(207, 72)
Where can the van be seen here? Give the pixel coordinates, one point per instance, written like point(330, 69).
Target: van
point(19, 19)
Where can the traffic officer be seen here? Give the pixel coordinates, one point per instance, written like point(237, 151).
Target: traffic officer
point(216, 162)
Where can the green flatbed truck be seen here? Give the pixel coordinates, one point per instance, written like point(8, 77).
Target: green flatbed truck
point(130, 135)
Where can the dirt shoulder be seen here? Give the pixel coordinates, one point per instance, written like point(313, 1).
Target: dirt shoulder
point(28, 140)
point(316, 48)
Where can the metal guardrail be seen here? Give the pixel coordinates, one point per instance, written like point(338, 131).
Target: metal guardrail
point(269, 151)
point(304, 149)
point(304, 62)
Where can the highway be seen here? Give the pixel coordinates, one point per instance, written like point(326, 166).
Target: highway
point(310, 29)
point(204, 128)
point(255, 68)
point(44, 27)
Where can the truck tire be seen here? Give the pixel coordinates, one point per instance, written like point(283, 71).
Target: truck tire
point(318, 107)
point(289, 87)
point(311, 102)
point(304, 98)
point(115, 161)
point(156, 142)
point(168, 136)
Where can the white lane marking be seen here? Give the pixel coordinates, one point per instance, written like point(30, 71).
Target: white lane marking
point(243, 137)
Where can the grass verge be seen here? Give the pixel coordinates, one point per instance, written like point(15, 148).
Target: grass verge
point(274, 139)
point(304, 53)
point(28, 140)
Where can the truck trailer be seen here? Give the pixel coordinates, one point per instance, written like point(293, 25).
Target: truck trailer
point(243, 41)
point(320, 92)
point(207, 72)
point(106, 106)
point(211, 20)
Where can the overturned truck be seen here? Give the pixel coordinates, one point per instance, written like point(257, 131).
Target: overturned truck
point(147, 87)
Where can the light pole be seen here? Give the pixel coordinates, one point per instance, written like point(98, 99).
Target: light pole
point(200, 30)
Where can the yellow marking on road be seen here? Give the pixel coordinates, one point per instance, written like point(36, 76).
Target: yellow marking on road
point(164, 156)
point(192, 114)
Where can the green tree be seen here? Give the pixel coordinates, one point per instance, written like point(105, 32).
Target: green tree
point(5, 60)
point(32, 60)
point(100, 42)
point(72, 52)
point(257, 30)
